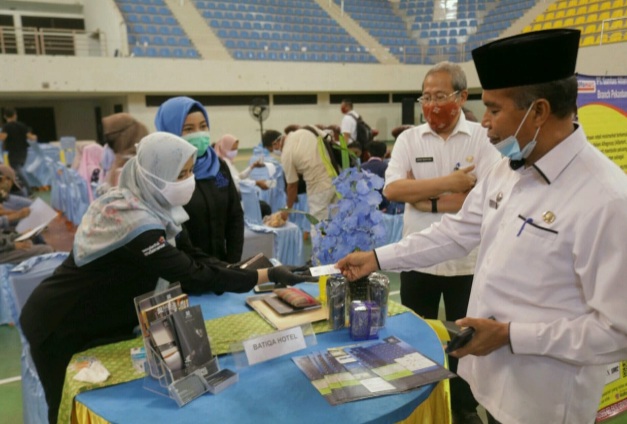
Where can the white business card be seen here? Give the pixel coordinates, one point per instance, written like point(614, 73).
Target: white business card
point(317, 271)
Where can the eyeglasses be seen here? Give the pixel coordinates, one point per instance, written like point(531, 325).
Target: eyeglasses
point(439, 98)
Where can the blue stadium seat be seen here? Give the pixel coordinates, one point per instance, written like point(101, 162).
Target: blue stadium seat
point(184, 41)
point(238, 55)
point(229, 44)
point(139, 28)
point(178, 52)
point(192, 53)
point(151, 52)
point(151, 10)
point(138, 51)
point(164, 52)
point(170, 20)
point(171, 41)
point(152, 29)
point(164, 11)
point(158, 41)
point(177, 31)
point(164, 30)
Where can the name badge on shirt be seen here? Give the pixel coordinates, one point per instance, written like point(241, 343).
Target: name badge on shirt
point(427, 159)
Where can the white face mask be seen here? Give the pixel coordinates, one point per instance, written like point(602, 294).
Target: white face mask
point(176, 193)
point(231, 154)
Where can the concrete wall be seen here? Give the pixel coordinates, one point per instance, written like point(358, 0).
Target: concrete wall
point(75, 85)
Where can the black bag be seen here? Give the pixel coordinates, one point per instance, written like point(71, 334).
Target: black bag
point(364, 132)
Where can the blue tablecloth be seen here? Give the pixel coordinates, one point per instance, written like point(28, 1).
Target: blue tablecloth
point(275, 391)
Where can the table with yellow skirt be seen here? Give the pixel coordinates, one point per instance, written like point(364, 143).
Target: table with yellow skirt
point(274, 391)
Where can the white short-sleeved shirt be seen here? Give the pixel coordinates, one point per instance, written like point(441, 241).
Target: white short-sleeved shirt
point(425, 154)
point(300, 156)
point(552, 262)
point(349, 125)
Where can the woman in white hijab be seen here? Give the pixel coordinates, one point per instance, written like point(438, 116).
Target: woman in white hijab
point(129, 239)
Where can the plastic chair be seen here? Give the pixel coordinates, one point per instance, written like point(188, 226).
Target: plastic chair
point(250, 203)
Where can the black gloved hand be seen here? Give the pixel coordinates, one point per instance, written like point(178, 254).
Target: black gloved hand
point(283, 275)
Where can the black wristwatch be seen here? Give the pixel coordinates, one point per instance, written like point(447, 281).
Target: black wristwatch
point(434, 204)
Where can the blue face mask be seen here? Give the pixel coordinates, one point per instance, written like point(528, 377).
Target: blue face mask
point(511, 148)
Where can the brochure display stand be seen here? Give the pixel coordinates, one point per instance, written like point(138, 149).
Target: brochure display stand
point(179, 362)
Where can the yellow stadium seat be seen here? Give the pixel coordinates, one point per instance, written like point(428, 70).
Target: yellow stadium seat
point(558, 23)
point(606, 5)
point(547, 25)
point(604, 16)
point(582, 10)
point(592, 17)
point(594, 7)
point(570, 12)
point(590, 29)
point(527, 29)
point(587, 41)
point(616, 37)
point(540, 18)
point(569, 22)
point(580, 20)
point(615, 25)
point(551, 7)
point(572, 3)
point(560, 14)
point(562, 4)
point(618, 3)
point(625, 36)
point(536, 27)
point(549, 16)
point(618, 13)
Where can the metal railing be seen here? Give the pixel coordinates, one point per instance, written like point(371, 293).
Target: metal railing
point(47, 41)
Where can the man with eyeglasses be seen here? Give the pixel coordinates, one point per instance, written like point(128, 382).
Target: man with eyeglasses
point(432, 169)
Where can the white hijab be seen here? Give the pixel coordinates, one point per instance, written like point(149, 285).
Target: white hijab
point(135, 206)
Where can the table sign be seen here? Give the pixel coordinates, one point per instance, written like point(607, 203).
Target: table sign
point(264, 347)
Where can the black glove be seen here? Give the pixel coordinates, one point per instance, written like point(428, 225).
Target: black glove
point(283, 275)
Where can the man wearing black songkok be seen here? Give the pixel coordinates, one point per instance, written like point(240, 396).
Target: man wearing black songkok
point(551, 259)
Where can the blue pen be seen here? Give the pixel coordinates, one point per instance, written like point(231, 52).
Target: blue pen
point(457, 166)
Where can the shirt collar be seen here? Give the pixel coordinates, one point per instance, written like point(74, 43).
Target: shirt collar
point(374, 158)
point(551, 165)
point(461, 127)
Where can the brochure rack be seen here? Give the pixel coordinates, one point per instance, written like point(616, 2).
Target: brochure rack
point(189, 379)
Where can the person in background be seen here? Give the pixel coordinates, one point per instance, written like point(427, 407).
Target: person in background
point(14, 137)
point(552, 261)
point(301, 156)
point(268, 153)
point(430, 170)
point(121, 133)
point(376, 165)
point(348, 127)
point(469, 115)
point(130, 238)
point(13, 206)
point(89, 168)
point(216, 223)
point(226, 148)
